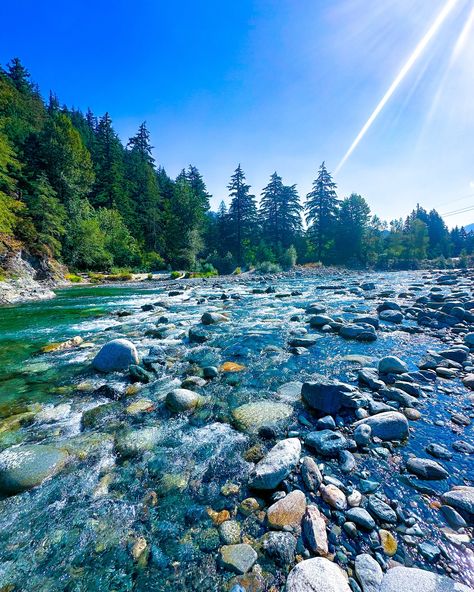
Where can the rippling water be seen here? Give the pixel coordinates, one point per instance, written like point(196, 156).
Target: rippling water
point(77, 530)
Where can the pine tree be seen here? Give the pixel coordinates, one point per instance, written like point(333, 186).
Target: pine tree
point(270, 210)
point(321, 210)
point(19, 75)
point(242, 214)
point(10, 206)
point(353, 225)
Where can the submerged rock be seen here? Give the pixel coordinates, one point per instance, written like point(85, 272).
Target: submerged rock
point(116, 355)
point(276, 465)
point(134, 442)
point(24, 467)
point(408, 579)
point(238, 558)
point(252, 416)
point(317, 575)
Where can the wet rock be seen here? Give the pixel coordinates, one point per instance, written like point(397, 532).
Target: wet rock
point(368, 572)
point(317, 575)
point(392, 365)
point(346, 461)
point(238, 558)
point(391, 316)
point(354, 499)
point(139, 374)
point(389, 425)
point(276, 465)
point(288, 511)
point(180, 400)
point(101, 415)
point(326, 442)
point(418, 580)
point(361, 517)
point(468, 381)
point(363, 435)
point(304, 342)
point(198, 335)
point(453, 518)
point(250, 417)
point(229, 532)
point(388, 305)
point(135, 442)
point(429, 551)
point(320, 320)
point(426, 469)
point(462, 499)
point(370, 377)
point(116, 355)
point(317, 308)
point(359, 332)
point(24, 467)
point(463, 446)
point(212, 318)
point(388, 542)
point(439, 451)
point(328, 396)
point(210, 372)
point(334, 497)
point(314, 531)
point(280, 546)
point(381, 510)
point(311, 474)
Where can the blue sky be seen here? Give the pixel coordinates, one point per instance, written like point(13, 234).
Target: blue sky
point(275, 85)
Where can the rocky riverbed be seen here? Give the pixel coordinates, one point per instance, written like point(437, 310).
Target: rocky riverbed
point(305, 433)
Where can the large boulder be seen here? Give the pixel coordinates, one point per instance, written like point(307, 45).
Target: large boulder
point(328, 396)
point(250, 417)
point(410, 579)
point(276, 465)
point(212, 318)
point(392, 365)
point(24, 467)
point(359, 331)
point(389, 425)
point(116, 355)
point(317, 575)
point(462, 499)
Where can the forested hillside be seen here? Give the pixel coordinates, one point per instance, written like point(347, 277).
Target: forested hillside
point(71, 190)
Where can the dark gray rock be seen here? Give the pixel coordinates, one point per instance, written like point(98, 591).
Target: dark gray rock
point(425, 468)
point(327, 395)
point(326, 442)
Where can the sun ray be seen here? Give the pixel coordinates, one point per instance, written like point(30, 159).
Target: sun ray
point(418, 51)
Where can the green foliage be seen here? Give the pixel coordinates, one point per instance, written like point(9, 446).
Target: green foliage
point(288, 258)
point(10, 206)
point(267, 267)
point(175, 275)
point(73, 278)
point(153, 261)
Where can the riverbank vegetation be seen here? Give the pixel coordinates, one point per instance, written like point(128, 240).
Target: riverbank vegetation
point(71, 190)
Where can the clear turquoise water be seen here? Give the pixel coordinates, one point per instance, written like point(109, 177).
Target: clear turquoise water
point(62, 536)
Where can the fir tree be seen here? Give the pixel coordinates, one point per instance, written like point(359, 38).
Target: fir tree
point(242, 214)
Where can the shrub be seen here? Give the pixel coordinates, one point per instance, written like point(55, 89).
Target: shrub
point(175, 275)
point(237, 271)
point(267, 267)
point(153, 261)
point(73, 278)
point(288, 258)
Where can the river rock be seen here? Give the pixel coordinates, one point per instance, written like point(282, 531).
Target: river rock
point(317, 575)
point(359, 332)
point(426, 469)
point(363, 434)
point(24, 467)
point(179, 400)
point(135, 442)
point(314, 531)
point(250, 417)
point(462, 499)
point(361, 517)
point(334, 497)
point(388, 542)
point(230, 532)
point(392, 365)
point(326, 442)
point(311, 474)
point(288, 511)
point(327, 395)
point(389, 425)
point(280, 546)
point(381, 510)
point(410, 579)
point(391, 316)
point(116, 355)
point(276, 465)
point(368, 572)
point(212, 318)
point(238, 558)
